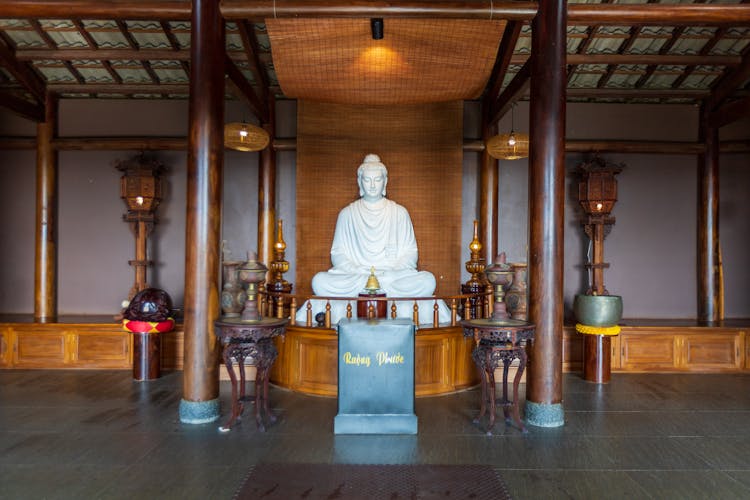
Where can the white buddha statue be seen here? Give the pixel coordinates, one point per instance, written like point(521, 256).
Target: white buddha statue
point(374, 232)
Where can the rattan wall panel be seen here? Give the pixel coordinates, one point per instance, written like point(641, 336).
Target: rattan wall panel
point(421, 145)
point(418, 60)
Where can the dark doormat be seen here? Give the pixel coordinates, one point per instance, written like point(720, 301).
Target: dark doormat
point(345, 481)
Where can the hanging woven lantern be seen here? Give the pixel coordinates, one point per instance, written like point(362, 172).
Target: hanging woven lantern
point(511, 146)
point(245, 137)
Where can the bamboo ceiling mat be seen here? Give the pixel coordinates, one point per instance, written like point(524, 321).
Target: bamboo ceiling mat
point(421, 146)
point(417, 61)
point(355, 481)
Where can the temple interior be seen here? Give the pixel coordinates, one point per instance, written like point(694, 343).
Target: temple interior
point(602, 151)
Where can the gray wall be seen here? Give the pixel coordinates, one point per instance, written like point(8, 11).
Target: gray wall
point(652, 247)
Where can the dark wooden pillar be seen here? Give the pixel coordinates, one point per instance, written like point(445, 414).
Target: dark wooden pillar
point(709, 286)
point(267, 194)
point(546, 213)
point(45, 255)
point(488, 198)
point(200, 402)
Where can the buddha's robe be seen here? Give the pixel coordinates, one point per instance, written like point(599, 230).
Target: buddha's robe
point(380, 235)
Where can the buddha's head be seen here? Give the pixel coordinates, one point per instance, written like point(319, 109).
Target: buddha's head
point(372, 177)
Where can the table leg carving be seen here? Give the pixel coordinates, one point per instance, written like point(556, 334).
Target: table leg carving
point(499, 341)
point(521, 352)
point(259, 396)
point(489, 367)
point(487, 359)
point(249, 342)
point(269, 357)
point(506, 410)
point(480, 364)
point(236, 403)
point(241, 367)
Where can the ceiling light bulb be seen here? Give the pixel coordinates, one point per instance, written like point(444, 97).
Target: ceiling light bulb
point(512, 140)
point(599, 206)
point(243, 133)
point(139, 200)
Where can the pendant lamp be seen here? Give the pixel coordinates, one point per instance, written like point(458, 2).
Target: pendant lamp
point(245, 137)
point(512, 146)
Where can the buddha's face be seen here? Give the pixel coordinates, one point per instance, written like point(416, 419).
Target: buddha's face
point(372, 183)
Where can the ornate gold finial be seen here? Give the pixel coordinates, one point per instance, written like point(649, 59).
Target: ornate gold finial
point(373, 285)
point(476, 264)
point(280, 245)
point(279, 265)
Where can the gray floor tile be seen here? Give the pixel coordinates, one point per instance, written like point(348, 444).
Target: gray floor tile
point(566, 484)
point(98, 434)
point(692, 484)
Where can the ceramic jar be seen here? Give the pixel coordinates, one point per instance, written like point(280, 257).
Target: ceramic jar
point(233, 295)
point(517, 295)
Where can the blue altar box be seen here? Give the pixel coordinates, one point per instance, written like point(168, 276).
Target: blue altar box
point(376, 377)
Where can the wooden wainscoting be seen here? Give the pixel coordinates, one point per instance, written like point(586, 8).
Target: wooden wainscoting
point(78, 345)
point(308, 361)
point(668, 348)
point(308, 356)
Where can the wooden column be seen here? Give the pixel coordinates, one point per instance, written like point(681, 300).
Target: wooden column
point(45, 255)
point(709, 287)
point(200, 403)
point(546, 213)
point(267, 194)
point(488, 198)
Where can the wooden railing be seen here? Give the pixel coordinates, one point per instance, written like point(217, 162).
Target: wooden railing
point(284, 305)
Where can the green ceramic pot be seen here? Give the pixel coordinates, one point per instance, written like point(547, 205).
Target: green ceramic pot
point(598, 310)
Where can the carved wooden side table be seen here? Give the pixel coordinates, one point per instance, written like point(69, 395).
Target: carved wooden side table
point(251, 341)
point(499, 341)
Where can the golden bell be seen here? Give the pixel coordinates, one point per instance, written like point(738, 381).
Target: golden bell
point(372, 285)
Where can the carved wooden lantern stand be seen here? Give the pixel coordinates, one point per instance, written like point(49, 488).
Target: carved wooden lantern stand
point(140, 189)
point(597, 312)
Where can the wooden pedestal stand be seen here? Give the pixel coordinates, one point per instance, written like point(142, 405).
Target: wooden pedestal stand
point(597, 194)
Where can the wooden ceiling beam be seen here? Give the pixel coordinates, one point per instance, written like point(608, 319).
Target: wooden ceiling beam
point(250, 44)
point(512, 93)
point(184, 55)
point(261, 9)
point(583, 47)
point(10, 143)
point(729, 83)
point(22, 73)
point(22, 107)
point(175, 43)
point(656, 59)
point(104, 54)
point(578, 14)
point(124, 89)
point(651, 68)
point(624, 47)
point(244, 91)
point(659, 14)
point(706, 49)
point(94, 9)
point(729, 113)
point(502, 61)
point(614, 93)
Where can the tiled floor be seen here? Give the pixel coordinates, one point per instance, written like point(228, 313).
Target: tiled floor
point(98, 434)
